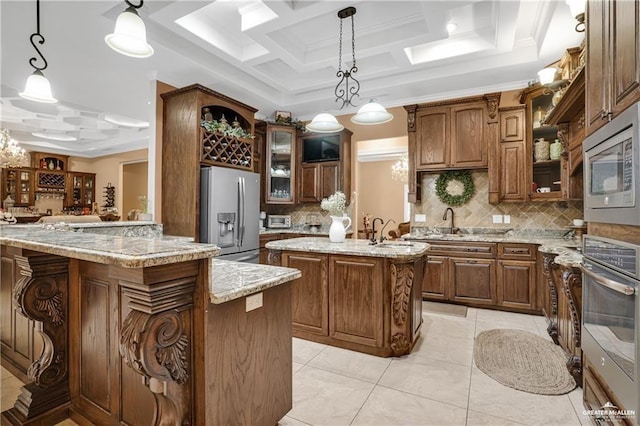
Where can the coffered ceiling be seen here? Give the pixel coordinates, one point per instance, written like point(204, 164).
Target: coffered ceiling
point(273, 55)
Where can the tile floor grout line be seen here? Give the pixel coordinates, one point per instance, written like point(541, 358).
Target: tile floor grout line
point(475, 327)
point(363, 402)
point(421, 396)
point(344, 375)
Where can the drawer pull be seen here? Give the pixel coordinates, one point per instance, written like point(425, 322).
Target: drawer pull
point(516, 251)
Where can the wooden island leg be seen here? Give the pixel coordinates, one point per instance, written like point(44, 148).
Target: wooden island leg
point(406, 306)
point(41, 294)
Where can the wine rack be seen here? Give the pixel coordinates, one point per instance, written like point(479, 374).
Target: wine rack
point(53, 180)
point(109, 196)
point(230, 151)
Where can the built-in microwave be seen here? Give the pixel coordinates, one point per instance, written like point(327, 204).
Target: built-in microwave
point(611, 171)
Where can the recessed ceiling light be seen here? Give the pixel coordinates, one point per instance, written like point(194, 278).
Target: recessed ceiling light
point(451, 27)
point(55, 136)
point(125, 121)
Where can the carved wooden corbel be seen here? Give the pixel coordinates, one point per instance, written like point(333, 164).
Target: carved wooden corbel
point(572, 282)
point(155, 341)
point(402, 275)
point(493, 101)
point(548, 266)
point(563, 135)
point(411, 117)
point(275, 258)
point(41, 295)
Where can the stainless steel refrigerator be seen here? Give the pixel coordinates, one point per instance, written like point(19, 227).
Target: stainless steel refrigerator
point(230, 212)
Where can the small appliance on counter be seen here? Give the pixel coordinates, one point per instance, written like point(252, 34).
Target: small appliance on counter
point(279, 221)
point(263, 216)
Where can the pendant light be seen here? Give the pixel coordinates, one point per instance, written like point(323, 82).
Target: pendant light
point(347, 88)
point(38, 88)
point(130, 35)
point(372, 113)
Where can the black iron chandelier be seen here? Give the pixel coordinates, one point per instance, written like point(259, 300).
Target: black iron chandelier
point(351, 84)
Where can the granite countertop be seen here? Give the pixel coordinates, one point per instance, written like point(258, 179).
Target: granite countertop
point(129, 252)
point(323, 231)
point(232, 280)
point(566, 256)
point(542, 237)
point(392, 249)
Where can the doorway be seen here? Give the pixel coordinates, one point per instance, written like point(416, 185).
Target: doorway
point(134, 186)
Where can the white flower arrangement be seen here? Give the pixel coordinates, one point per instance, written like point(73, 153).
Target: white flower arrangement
point(335, 204)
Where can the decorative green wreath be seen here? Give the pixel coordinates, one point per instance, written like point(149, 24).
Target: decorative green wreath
point(464, 177)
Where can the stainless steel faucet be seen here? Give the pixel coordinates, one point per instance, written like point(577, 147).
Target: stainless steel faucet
point(382, 237)
point(452, 229)
point(373, 229)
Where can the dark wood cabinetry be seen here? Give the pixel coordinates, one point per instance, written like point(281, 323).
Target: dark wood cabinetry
point(18, 184)
point(367, 304)
point(185, 145)
point(501, 275)
point(320, 177)
point(280, 168)
point(613, 60)
point(310, 312)
point(452, 134)
point(81, 189)
point(513, 158)
point(48, 161)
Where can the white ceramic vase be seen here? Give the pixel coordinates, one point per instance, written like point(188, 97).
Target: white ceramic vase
point(338, 229)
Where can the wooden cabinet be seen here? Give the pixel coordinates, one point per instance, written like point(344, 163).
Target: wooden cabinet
point(613, 60)
point(513, 158)
point(367, 304)
point(264, 253)
point(502, 275)
point(280, 164)
point(21, 344)
point(186, 145)
point(517, 276)
point(436, 278)
point(473, 281)
point(81, 189)
point(452, 137)
point(452, 134)
point(324, 165)
point(310, 294)
point(48, 161)
point(356, 303)
point(18, 183)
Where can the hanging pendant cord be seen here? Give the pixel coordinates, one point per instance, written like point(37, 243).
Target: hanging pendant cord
point(353, 41)
point(37, 38)
point(340, 50)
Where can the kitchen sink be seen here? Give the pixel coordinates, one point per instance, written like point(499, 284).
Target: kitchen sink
point(395, 244)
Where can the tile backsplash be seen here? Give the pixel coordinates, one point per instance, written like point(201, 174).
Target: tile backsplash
point(479, 213)
point(300, 212)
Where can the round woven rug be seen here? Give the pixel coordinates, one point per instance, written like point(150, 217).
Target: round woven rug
point(523, 361)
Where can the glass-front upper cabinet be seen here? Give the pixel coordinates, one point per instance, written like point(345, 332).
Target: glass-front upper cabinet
point(546, 149)
point(82, 189)
point(280, 165)
point(18, 187)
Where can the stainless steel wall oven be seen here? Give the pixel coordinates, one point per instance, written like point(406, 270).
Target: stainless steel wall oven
point(611, 276)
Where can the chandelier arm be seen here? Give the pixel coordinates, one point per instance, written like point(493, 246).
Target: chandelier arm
point(133, 5)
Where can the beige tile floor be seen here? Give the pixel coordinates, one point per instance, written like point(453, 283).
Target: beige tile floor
point(437, 384)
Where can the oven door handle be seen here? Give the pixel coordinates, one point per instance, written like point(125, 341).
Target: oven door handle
point(613, 285)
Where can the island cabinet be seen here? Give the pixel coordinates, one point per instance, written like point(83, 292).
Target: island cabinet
point(150, 332)
point(324, 162)
point(452, 134)
point(489, 275)
point(612, 60)
point(366, 303)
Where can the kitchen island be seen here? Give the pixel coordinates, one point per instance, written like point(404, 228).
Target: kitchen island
point(145, 330)
point(355, 295)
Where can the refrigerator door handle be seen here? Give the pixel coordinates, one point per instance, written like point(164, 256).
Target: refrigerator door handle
point(239, 225)
point(242, 212)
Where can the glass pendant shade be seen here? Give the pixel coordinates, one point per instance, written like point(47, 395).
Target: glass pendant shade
point(324, 123)
point(372, 113)
point(130, 36)
point(547, 75)
point(38, 89)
